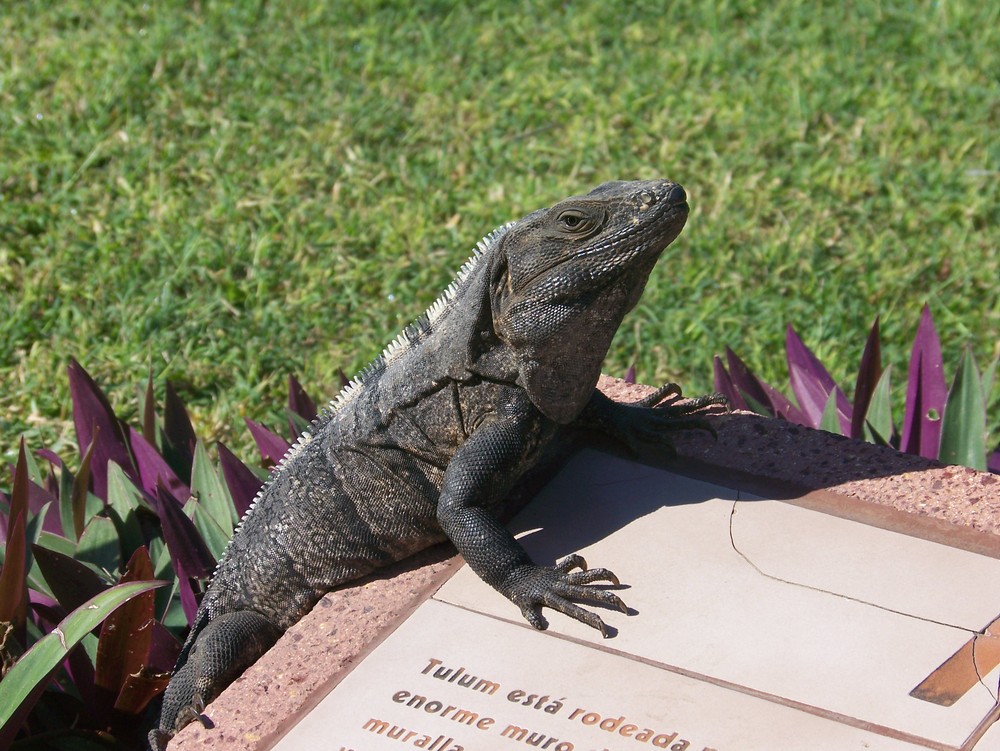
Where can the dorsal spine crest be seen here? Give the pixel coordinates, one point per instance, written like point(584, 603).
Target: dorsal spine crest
point(412, 334)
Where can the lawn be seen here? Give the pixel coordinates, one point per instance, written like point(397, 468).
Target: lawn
point(226, 193)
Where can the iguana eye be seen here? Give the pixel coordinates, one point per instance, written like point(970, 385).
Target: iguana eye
point(575, 221)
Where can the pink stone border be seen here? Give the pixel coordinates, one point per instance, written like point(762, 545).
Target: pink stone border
point(849, 478)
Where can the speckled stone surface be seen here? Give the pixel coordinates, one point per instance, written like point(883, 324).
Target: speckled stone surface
point(775, 450)
point(293, 676)
point(290, 679)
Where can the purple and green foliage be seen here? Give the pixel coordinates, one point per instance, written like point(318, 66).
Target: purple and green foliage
point(938, 422)
point(83, 552)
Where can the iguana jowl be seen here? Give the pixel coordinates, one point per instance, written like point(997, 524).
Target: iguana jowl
point(426, 443)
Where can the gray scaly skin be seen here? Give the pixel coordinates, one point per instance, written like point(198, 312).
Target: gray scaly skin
point(426, 443)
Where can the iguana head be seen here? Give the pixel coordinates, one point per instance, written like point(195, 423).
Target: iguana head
point(564, 278)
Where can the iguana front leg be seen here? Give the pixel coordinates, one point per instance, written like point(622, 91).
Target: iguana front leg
point(478, 476)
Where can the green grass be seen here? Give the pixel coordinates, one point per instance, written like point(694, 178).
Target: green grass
point(230, 192)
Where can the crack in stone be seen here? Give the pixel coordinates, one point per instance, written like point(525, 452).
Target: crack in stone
point(995, 694)
point(732, 540)
point(979, 675)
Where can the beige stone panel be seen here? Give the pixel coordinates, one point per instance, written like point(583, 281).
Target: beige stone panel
point(701, 606)
point(640, 706)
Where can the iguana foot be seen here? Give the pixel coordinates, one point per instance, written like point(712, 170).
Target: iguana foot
point(533, 587)
point(193, 712)
point(666, 398)
point(220, 652)
point(651, 420)
point(157, 739)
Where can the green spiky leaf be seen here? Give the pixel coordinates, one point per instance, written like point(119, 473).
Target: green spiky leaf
point(215, 537)
point(963, 428)
point(830, 421)
point(99, 544)
point(878, 420)
point(211, 492)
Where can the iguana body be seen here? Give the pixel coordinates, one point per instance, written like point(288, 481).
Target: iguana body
point(426, 443)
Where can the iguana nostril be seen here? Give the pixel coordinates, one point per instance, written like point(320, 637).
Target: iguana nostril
point(676, 195)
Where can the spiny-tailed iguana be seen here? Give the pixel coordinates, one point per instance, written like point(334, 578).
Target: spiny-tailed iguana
point(427, 441)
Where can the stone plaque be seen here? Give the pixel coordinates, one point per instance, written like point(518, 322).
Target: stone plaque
point(754, 624)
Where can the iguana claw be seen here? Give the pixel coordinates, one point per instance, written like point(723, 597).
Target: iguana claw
point(534, 587)
point(665, 399)
point(651, 420)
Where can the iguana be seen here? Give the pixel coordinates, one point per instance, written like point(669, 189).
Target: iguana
point(426, 442)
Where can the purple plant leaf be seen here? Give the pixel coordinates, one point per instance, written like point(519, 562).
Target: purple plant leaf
point(164, 649)
point(179, 433)
point(783, 405)
point(188, 551)
point(926, 392)
point(153, 469)
point(272, 447)
point(81, 672)
point(13, 585)
point(46, 611)
point(630, 374)
point(149, 411)
point(869, 372)
point(746, 382)
point(52, 483)
point(38, 497)
point(13, 573)
point(724, 384)
point(140, 688)
point(125, 637)
point(184, 542)
point(299, 401)
point(243, 484)
point(72, 583)
point(50, 456)
point(812, 384)
point(47, 616)
point(93, 416)
point(144, 685)
point(18, 503)
point(993, 462)
point(301, 409)
point(40, 600)
point(189, 599)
